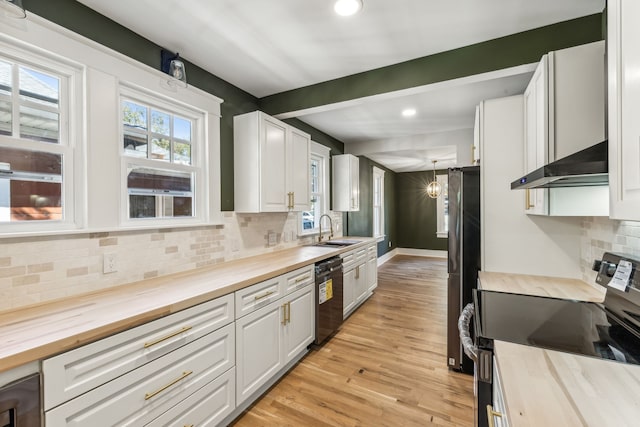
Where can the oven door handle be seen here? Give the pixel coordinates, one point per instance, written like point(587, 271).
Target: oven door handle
point(465, 336)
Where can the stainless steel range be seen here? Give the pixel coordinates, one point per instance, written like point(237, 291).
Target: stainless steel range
point(610, 330)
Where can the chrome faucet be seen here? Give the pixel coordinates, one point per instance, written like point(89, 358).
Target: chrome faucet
point(330, 226)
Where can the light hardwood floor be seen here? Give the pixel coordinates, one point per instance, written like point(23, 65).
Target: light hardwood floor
point(385, 367)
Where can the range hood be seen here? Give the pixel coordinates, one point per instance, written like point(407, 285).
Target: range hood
point(589, 167)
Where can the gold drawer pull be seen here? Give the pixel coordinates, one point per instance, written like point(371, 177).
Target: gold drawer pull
point(188, 425)
point(284, 313)
point(490, 414)
point(289, 312)
point(184, 375)
point(266, 294)
point(159, 340)
point(302, 279)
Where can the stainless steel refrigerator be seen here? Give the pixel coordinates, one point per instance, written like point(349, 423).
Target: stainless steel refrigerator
point(463, 255)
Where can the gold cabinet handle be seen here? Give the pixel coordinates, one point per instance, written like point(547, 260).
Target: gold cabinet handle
point(473, 154)
point(490, 414)
point(159, 340)
point(266, 294)
point(357, 272)
point(527, 203)
point(284, 313)
point(188, 425)
point(302, 279)
point(184, 375)
point(289, 312)
point(293, 199)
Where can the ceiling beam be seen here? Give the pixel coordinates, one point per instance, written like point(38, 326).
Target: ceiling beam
point(509, 51)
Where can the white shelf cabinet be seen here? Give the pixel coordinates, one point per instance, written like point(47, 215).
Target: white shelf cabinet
point(272, 335)
point(564, 113)
point(271, 165)
point(623, 34)
point(346, 183)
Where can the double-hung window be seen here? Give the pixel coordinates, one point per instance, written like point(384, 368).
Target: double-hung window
point(38, 151)
point(378, 202)
point(309, 221)
point(162, 159)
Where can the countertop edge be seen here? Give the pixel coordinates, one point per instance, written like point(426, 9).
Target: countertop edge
point(93, 332)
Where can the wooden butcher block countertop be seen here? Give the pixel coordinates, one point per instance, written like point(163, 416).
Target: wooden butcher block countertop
point(551, 388)
point(543, 286)
point(40, 331)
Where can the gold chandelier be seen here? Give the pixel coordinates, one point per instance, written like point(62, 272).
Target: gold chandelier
point(434, 188)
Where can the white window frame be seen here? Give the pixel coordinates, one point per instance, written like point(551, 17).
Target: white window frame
point(442, 221)
point(71, 142)
point(321, 153)
point(198, 158)
point(378, 226)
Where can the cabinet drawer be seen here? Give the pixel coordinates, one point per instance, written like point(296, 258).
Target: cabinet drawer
point(77, 371)
point(298, 279)
point(372, 251)
point(206, 407)
point(143, 394)
point(257, 296)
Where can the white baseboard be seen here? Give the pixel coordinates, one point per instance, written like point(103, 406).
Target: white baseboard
point(386, 257)
point(414, 252)
point(422, 252)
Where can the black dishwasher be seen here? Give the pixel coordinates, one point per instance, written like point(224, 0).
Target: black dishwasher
point(20, 403)
point(328, 298)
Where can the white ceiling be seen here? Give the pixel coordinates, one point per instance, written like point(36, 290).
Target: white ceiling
point(267, 47)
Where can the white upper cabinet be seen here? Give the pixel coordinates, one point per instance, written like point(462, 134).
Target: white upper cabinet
point(271, 165)
point(346, 183)
point(623, 34)
point(564, 113)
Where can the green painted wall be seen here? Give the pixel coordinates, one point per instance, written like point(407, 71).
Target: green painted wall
point(416, 212)
point(361, 223)
point(517, 49)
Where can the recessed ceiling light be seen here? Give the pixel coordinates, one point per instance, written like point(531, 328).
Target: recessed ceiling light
point(347, 7)
point(409, 112)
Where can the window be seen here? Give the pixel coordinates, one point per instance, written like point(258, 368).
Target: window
point(378, 202)
point(37, 151)
point(309, 222)
point(442, 207)
point(161, 158)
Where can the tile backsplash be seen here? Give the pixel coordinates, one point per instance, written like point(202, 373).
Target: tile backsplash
point(601, 235)
point(37, 269)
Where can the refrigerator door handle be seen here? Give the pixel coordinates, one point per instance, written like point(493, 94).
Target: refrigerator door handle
point(469, 348)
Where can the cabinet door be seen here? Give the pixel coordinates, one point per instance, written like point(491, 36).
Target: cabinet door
point(361, 283)
point(536, 135)
point(273, 161)
point(299, 330)
point(372, 272)
point(354, 181)
point(348, 291)
point(624, 106)
point(259, 349)
point(299, 175)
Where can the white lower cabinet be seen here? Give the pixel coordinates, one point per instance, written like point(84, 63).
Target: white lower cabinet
point(140, 396)
point(259, 349)
point(206, 407)
point(271, 337)
point(360, 277)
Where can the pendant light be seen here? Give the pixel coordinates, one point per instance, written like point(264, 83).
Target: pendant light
point(12, 8)
point(347, 7)
point(434, 188)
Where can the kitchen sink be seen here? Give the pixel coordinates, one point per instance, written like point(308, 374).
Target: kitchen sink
point(337, 243)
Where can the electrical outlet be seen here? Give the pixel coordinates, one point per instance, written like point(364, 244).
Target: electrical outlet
point(109, 263)
point(272, 238)
point(389, 243)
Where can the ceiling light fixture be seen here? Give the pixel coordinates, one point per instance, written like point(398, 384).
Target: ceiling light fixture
point(409, 112)
point(13, 9)
point(347, 7)
point(434, 188)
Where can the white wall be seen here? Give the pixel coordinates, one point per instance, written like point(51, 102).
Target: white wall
point(514, 242)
